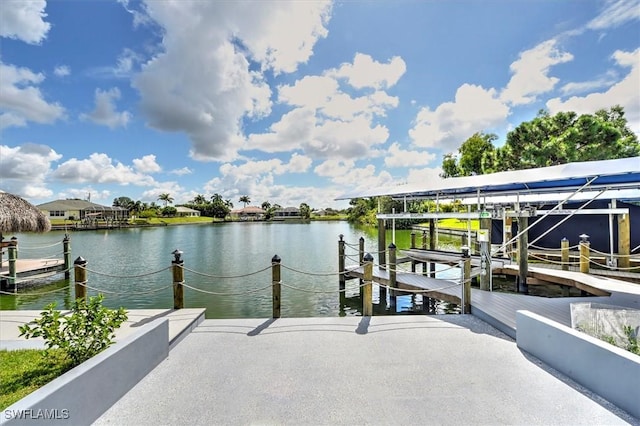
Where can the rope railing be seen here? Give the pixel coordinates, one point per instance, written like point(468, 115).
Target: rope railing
point(199, 290)
point(202, 274)
point(133, 293)
point(553, 248)
point(22, 246)
point(555, 262)
point(104, 274)
point(614, 254)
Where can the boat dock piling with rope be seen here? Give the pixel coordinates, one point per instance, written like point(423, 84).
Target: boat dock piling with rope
point(18, 270)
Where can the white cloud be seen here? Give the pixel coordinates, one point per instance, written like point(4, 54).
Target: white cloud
point(366, 72)
point(175, 190)
point(99, 168)
point(102, 196)
point(616, 13)
point(147, 164)
point(105, 112)
point(334, 167)
point(531, 73)
point(62, 71)
point(398, 157)
point(24, 169)
point(586, 86)
point(299, 163)
point(625, 93)
point(475, 109)
point(209, 98)
point(423, 174)
point(181, 172)
point(24, 20)
point(21, 99)
point(328, 122)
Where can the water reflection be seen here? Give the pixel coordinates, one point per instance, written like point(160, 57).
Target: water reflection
point(131, 267)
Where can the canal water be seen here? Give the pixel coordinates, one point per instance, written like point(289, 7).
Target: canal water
point(227, 264)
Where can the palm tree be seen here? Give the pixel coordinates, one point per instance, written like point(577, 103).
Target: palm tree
point(199, 199)
point(266, 206)
point(166, 198)
point(245, 200)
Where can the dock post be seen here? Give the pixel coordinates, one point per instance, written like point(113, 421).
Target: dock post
point(424, 247)
point(413, 246)
point(275, 285)
point(432, 245)
point(66, 248)
point(341, 269)
point(584, 253)
point(392, 277)
point(382, 243)
point(523, 254)
point(178, 279)
point(564, 250)
point(12, 254)
point(466, 281)
point(367, 293)
point(80, 276)
point(624, 241)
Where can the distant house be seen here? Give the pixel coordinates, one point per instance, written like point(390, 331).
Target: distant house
point(81, 210)
point(248, 213)
point(287, 213)
point(186, 211)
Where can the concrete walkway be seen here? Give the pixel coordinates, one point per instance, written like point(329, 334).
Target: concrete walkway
point(389, 370)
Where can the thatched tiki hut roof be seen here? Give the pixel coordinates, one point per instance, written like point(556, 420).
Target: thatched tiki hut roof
point(18, 215)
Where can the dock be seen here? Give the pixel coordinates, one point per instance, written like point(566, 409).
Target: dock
point(499, 309)
point(32, 268)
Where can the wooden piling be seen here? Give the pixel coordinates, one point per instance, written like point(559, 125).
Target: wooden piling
point(275, 285)
point(564, 250)
point(367, 293)
point(382, 243)
point(466, 281)
point(66, 248)
point(178, 279)
point(425, 265)
point(624, 241)
point(392, 276)
point(523, 255)
point(432, 245)
point(12, 254)
point(584, 255)
point(80, 277)
point(413, 246)
point(341, 267)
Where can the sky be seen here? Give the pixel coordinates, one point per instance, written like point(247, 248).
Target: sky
point(288, 101)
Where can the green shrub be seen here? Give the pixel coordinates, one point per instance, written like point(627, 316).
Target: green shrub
point(87, 331)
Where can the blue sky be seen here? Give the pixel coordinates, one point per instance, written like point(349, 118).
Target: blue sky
point(288, 101)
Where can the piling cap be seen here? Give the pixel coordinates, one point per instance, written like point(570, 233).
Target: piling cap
point(80, 261)
point(584, 238)
point(465, 251)
point(367, 257)
point(176, 255)
point(276, 259)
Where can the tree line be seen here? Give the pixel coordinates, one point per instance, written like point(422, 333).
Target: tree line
point(547, 140)
point(214, 206)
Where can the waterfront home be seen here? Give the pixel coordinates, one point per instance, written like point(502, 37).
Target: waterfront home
point(81, 210)
point(248, 213)
point(186, 212)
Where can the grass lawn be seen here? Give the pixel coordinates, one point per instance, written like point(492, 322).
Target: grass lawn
point(458, 224)
point(25, 370)
point(181, 220)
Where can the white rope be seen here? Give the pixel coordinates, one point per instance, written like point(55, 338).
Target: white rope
point(225, 277)
point(146, 274)
point(226, 294)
